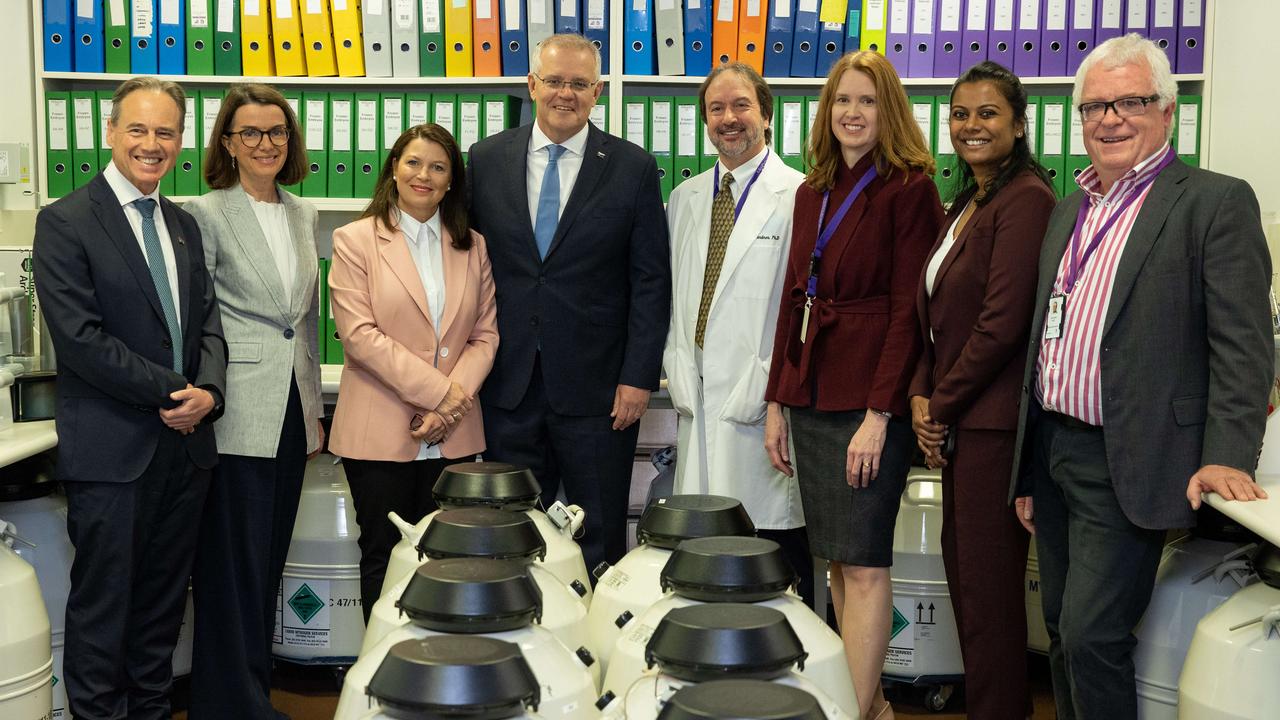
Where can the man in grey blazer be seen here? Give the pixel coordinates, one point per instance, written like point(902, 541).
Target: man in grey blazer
point(1147, 372)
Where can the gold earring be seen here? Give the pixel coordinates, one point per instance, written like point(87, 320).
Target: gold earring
point(233, 162)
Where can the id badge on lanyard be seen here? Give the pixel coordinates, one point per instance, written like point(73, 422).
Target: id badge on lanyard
point(1054, 316)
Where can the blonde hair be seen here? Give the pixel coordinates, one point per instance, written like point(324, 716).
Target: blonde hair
point(899, 145)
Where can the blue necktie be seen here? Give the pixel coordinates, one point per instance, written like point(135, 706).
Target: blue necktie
point(544, 230)
point(155, 262)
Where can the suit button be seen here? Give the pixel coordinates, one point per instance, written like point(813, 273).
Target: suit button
point(542, 280)
point(444, 351)
point(288, 333)
point(534, 321)
point(166, 344)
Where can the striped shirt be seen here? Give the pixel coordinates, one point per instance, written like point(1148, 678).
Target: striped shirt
point(1069, 369)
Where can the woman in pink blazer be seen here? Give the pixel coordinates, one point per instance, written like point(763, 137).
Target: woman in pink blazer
point(412, 295)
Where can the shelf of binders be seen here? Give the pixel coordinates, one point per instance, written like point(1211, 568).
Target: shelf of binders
point(811, 82)
point(364, 82)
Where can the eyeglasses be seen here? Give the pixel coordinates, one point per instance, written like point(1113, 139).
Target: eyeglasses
point(252, 137)
point(557, 84)
point(1124, 107)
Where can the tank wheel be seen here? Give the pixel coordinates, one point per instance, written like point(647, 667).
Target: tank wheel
point(937, 696)
point(340, 675)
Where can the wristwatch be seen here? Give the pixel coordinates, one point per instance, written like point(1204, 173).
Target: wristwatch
point(882, 413)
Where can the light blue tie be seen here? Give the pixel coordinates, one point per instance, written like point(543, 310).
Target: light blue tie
point(159, 276)
point(544, 230)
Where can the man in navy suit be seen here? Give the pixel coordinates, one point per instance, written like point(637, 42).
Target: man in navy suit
point(576, 233)
point(141, 370)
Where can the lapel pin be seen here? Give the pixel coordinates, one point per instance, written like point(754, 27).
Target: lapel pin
point(599, 154)
point(181, 241)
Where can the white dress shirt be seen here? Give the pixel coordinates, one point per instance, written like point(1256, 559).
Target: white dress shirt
point(427, 252)
point(127, 193)
point(741, 175)
point(569, 164)
point(274, 221)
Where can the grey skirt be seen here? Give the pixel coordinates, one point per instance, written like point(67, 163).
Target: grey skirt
point(847, 525)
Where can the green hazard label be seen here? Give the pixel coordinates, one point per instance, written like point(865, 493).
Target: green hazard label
point(55, 681)
point(900, 623)
point(306, 604)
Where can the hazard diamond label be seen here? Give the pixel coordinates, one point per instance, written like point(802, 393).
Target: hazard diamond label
point(900, 623)
point(306, 604)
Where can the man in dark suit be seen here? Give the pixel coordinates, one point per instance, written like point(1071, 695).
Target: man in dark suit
point(1147, 373)
point(141, 367)
point(578, 240)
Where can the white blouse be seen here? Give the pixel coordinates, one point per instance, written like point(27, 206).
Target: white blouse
point(274, 221)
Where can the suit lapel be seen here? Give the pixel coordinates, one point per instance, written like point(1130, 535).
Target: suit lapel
point(518, 186)
point(1146, 228)
point(755, 212)
point(303, 250)
point(455, 278)
point(1055, 244)
point(394, 250)
point(954, 251)
point(111, 215)
point(594, 161)
point(247, 233)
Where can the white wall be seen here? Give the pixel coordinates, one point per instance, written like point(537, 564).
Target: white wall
point(17, 118)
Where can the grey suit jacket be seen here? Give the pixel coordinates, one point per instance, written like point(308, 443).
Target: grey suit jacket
point(1187, 355)
point(270, 330)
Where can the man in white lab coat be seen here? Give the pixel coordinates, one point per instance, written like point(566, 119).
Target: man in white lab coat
point(730, 234)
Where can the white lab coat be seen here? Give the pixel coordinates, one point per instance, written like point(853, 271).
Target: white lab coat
point(721, 407)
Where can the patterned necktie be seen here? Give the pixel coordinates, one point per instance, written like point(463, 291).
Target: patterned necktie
point(544, 230)
point(721, 229)
point(159, 276)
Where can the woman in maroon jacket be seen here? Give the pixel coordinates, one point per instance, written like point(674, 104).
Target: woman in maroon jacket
point(975, 302)
point(847, 342)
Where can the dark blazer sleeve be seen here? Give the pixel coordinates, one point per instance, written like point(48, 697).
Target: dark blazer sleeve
point(1001, 329)
point(213, 345)
point(1237, 270)
point(917, 219)
point(650, 302)
point(73, 315)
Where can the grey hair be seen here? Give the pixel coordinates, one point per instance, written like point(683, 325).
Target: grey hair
point(566, 41)
point(1131, 49)
point(150, 84)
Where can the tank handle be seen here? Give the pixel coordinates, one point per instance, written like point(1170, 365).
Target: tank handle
point(932, 502)
point(405, 528)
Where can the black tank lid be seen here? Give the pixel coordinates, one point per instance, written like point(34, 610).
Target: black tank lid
point(472, 595)
point(667, 521)
point(1212, 524)
point(711, 642)
point(487, 484)
point(728, 569)
point(741, 700)
point(454, 676)
point(1266, 562)
point(482, 532)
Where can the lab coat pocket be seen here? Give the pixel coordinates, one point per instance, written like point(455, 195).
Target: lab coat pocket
point(745, 403)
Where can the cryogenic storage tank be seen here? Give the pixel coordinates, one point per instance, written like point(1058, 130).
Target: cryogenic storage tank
point(318, 615)
point(735, 570)
point(489, 533)
point(626, 589)
point(26, 657)
point(742, 700)
point(472, 597)
point(503, 487)
point(446, 676)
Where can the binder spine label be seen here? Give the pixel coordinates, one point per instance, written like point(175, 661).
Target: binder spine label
point(142, 10)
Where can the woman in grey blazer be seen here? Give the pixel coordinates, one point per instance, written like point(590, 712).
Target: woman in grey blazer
point(259, 244)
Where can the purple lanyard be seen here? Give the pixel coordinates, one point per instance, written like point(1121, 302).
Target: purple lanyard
point(746, 190)
point(1075, 265)
point(825, 235)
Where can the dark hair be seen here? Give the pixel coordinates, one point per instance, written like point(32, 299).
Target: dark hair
point(764, 95)
point(453, 208)
point(218, 170)
point(1020, 159)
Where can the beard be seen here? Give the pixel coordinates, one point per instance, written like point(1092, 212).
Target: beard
point(746, 141)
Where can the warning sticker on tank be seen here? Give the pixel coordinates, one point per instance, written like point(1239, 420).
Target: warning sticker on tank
point(615, 579)
point(902, 639)
point(305, 615)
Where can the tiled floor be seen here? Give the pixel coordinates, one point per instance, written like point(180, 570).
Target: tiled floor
point(309, 693)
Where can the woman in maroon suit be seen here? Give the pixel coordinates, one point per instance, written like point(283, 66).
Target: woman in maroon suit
point(847, 342)
point(975, 302)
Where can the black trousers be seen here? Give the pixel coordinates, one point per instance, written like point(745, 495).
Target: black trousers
point(377, 488)
point(244, 538)
point(584, 454)
point(1097, 570)
point(134, 545)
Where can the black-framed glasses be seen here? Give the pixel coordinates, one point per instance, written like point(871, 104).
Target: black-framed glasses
point(252, 137)
point(1123, 107)
point(557, 84)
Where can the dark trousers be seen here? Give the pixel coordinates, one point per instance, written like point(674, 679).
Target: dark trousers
point(584, 454)
point(377, 488)
point(984, 549)
point(795, 548)
point(134, 545)
point(244, 538)
point(1097, 570)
